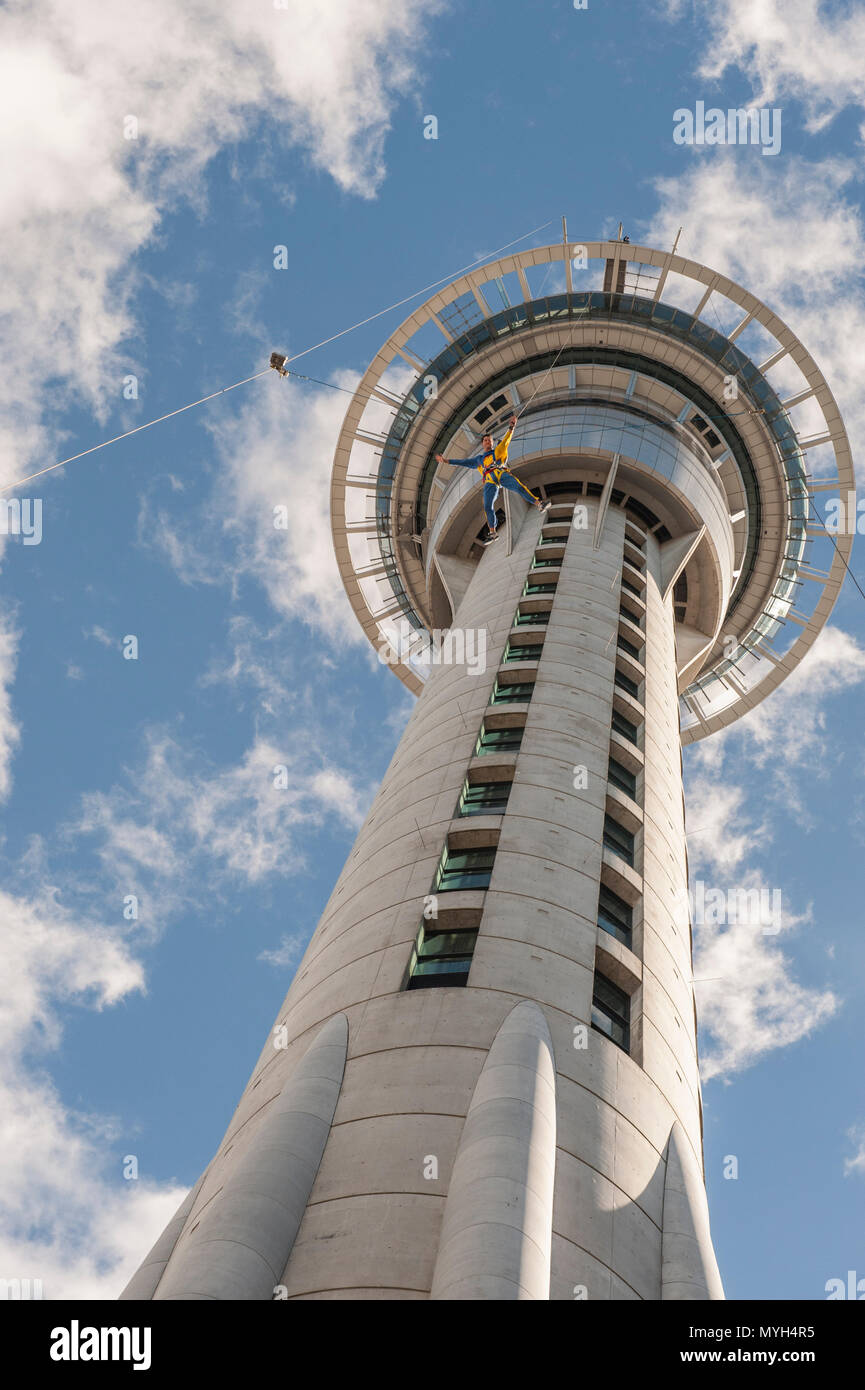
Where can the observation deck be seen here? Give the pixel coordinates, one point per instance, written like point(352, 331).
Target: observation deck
point(640, 377)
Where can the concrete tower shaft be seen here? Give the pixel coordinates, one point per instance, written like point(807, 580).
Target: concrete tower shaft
point(483, 1082)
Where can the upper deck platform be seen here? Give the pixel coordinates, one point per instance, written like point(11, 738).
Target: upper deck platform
point(671, 360)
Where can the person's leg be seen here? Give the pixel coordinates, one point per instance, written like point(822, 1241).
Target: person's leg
point(514, 485)
point(491, 492)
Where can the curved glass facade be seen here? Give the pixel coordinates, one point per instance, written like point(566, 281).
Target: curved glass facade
point(640, 439)
point(633, 308)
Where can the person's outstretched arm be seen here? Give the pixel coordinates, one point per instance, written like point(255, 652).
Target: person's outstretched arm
point(501, 449)
point(460, 463)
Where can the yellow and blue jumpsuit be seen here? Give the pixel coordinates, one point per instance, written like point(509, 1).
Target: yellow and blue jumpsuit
point(493, 468)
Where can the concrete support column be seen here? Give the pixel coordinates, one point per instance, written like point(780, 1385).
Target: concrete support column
point(497, 1229)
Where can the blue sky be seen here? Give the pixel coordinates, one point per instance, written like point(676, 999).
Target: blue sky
point(303, 126)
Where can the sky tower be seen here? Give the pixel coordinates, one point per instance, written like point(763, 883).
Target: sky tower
point(483, 1081)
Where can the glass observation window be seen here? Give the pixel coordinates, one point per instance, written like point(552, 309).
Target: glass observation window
point(466, 868)
point(483, 798)
point(624, 727)
point(632, 617)
point(611, 1011)
point(531, 619)
point(615, 916)
point(544, 564)
point(628, 647)
point(622, 778)
point(625, 683)
point(441, 958)
point(499, 740)
point(523, 651)
point(619, 840)
point(532, 589)
point(511, 694)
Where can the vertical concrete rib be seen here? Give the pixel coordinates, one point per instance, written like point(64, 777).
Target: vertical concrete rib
point(690, 1270)
point(145, 1280)
point(497, 1230)
point(240, 1244)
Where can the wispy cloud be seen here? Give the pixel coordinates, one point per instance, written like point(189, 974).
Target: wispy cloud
point(751, 1004)
point(9, 729)
point(98, 634)
point(749, 999)
point(856, 1164)
point(115, 113)
point(756, 226)
point(66, 1216)
point(796, 49)
point(267, 519)
point(173, 825)
point(288, 952)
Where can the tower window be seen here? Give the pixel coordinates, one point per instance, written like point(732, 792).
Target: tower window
point(624, 727)
point(625, 683)
point(633, 617)
point(643, 515)
point(532, 589)
point(628, 647)
point(619, 840)
point(464, 868)
point(622, 778)
point(523, 651)
point(499, 740)
point(441, 958)
point(531, 619)
point(615, 916)
point(611, 1011)
point(483, 798)
point(511, 694)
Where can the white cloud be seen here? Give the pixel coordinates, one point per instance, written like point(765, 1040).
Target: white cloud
point(791, 235)
point(66, 1218)
point(786, 736)
point(720, 834)
point(276, 452)
point(9, 731)
point(856, 1164)
point(80, 199)
point(289, 951)
point(749, 1001)
point(835, 663)
point(175, 827)
point(100, 635)
point(789, 49)
point(750, 1004)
